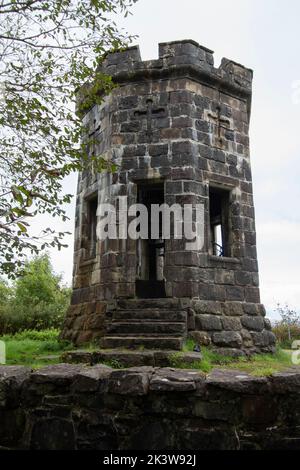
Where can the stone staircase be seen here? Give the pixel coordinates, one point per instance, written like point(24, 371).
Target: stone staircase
point(148, 323)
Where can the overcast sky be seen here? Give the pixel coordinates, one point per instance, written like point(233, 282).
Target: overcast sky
point(262, 35)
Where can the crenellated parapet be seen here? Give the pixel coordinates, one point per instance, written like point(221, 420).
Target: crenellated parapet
point(180, 59)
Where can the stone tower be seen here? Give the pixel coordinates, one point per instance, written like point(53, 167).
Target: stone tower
point(177, 129)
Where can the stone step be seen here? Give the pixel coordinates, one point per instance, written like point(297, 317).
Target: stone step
point(137, 304)
point(150, 314)
point(134, 342)
point(155, 328)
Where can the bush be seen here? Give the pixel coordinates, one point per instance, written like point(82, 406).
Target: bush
point(34, 348)
point(282, 331)
point(287, 329)
point(36, 301)
point(33, 335)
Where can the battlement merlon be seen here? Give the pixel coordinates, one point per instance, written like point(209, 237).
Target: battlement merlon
point(179, 59)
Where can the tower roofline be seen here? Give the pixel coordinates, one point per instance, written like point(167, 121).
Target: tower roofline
point(178, 59)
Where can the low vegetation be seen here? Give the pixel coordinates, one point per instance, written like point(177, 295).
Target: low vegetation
point(258, 364)
point(34, 348)
point(39, 348)
point(37, 300)
point(287, 329)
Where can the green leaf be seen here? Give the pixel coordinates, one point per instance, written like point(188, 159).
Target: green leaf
point(22, 227)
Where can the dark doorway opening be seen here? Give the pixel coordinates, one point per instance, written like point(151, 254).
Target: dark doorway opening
point(219, 201)
point(150, 281)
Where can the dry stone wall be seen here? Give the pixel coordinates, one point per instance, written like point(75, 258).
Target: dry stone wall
point(76, 407)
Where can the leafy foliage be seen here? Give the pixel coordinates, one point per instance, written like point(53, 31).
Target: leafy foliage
point(48, 49)
point(36, 300)
point(34, 348)
point(288, 328)
point(50, 334)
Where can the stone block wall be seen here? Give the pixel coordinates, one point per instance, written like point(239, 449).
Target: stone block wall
point(77, 407)
point(234, 328)
point(195, 137)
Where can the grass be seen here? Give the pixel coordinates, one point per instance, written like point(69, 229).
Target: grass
point(40, 348)
point(257, 365)
point(31, 348)
point(264, 364)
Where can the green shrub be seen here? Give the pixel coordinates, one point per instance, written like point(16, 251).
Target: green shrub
point(36, 301)
point(33, 335)
point(282, 332)
point(287, 329)
point(189, 345)
point(53, 346)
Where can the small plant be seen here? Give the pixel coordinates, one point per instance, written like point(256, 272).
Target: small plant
point(54, 346)
point(264, 372)
point(113, 363)
point(176, 360)
point(214, 357)
point(189, 345)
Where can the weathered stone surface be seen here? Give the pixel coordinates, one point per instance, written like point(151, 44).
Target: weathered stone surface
point(11, 381)
point(247, 338)
point(214, 411)
point(230, 339)
point(92, 379)
point(77, 357)
point(191, 323)
point(130, 381)
point(233, 309)
point(263, 339)
point(208, 323)
point(231, 324)
point(201, 337)
point(267, 324)
point(60, 374)
point(119, 359)
point(192, 357)
point(229, 352)
point(148, 408)
point(250, 309)
point(287, 381)
point(124, 359)
point(52, 434)
point(237, 381)
point(202, 307)
point(253, 323)
point(174, 380)
point(209, 437)
point(260, 410)
point(12, 416)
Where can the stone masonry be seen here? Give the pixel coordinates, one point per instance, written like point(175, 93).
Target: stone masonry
point(178, 126)
point(68, 407)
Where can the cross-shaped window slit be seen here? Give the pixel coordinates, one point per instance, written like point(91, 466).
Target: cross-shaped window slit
point(151, 113)
point(220, 122)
